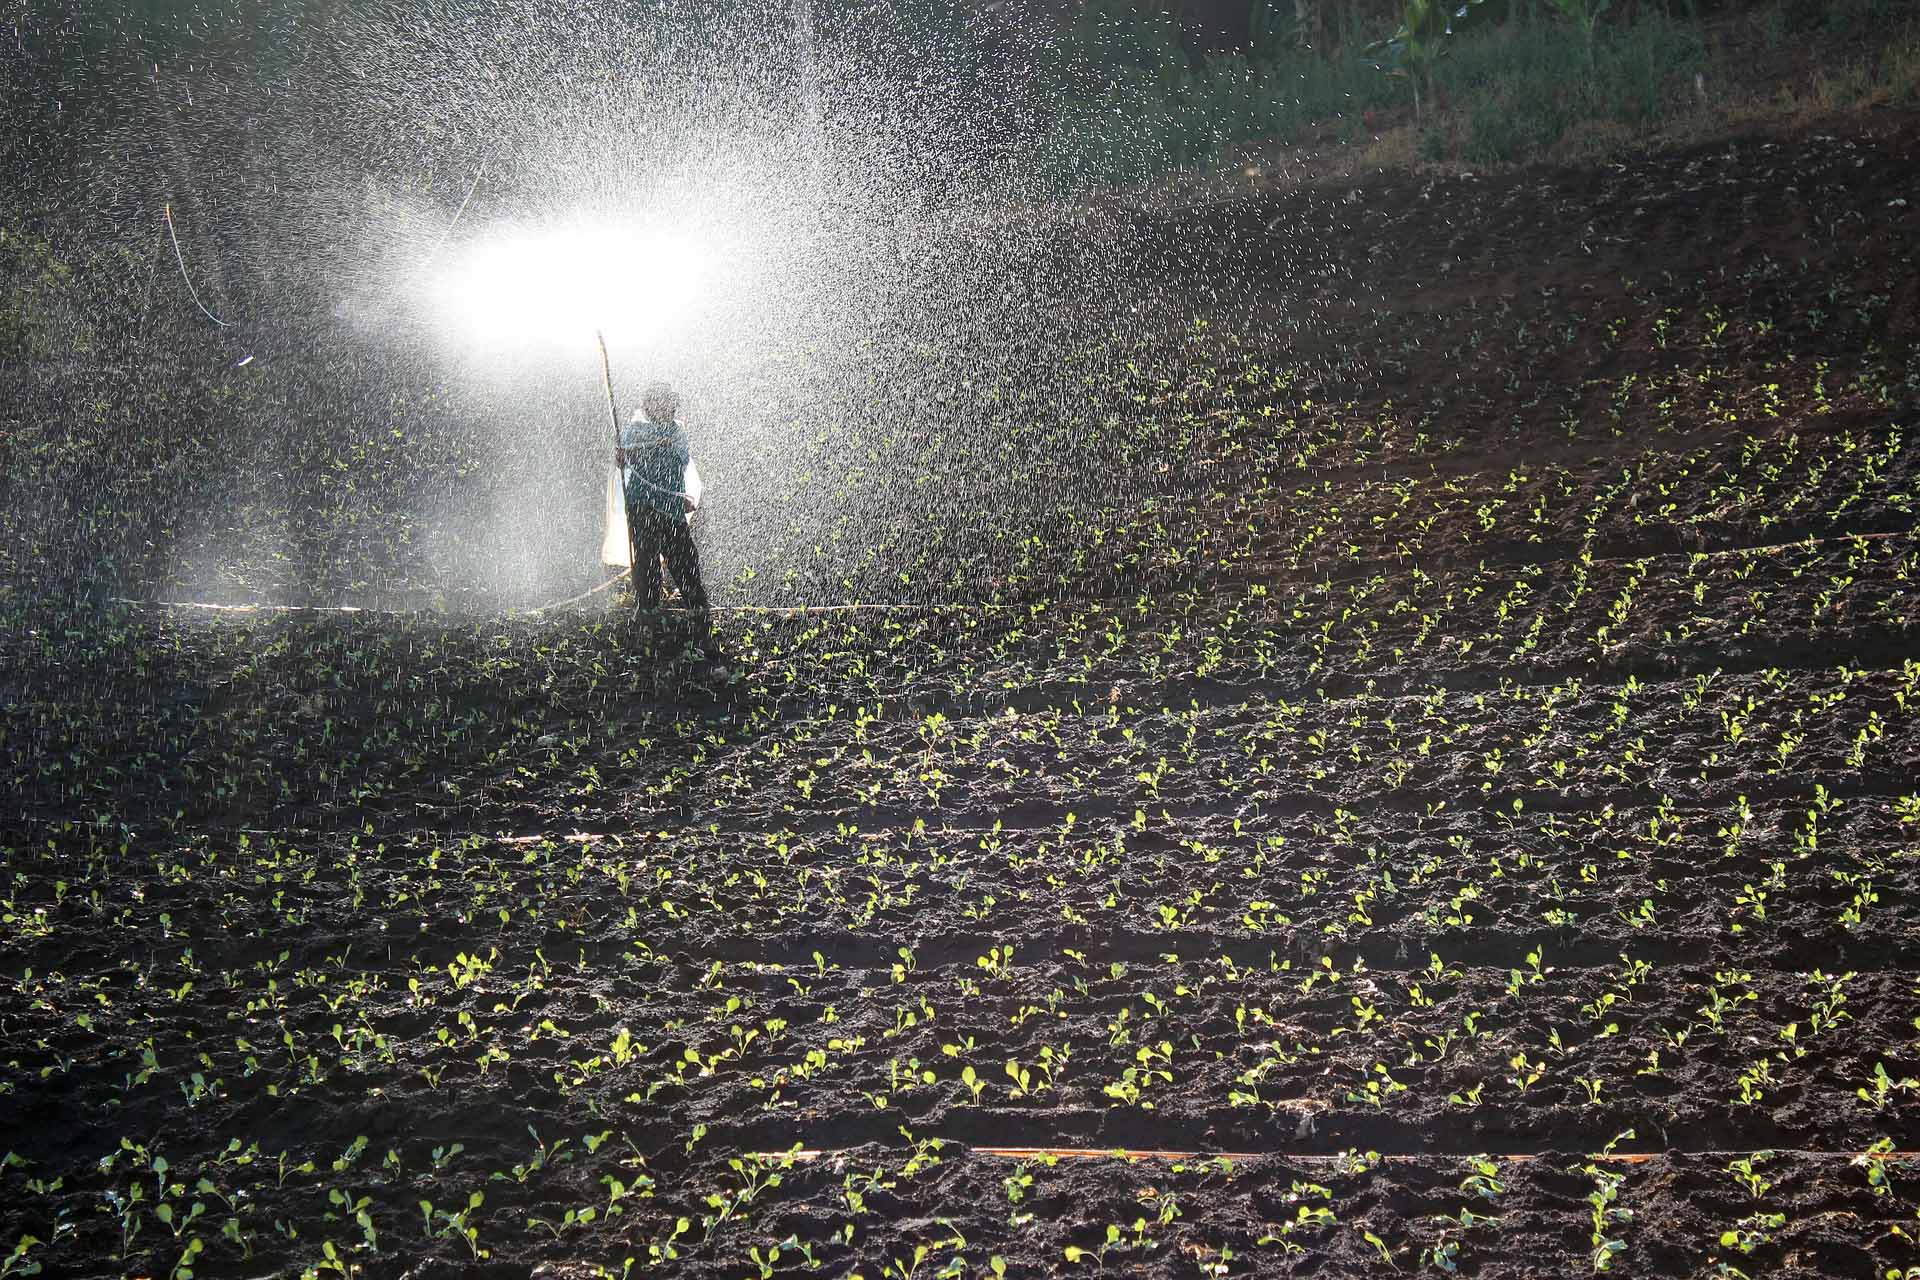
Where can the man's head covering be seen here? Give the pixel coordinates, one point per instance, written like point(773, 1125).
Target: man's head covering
point(660, 402)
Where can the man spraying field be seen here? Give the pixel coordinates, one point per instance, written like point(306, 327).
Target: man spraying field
point(661, 486)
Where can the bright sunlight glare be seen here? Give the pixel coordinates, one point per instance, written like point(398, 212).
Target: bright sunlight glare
point(517, 287)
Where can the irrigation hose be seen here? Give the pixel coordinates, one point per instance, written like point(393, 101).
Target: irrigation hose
point(166, 215)
point(869, 606)
point(793, 610)
point(590, 591)
point(347, 608)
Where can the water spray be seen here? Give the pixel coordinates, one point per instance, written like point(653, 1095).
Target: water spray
point(447, 235)
point(527, 292)
point(795, 229)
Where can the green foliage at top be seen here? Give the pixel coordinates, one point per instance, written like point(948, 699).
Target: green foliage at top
point(1515, 80)
point(1584, 16)
point(1425, 36)
point(1524, 89)
point(1156, 109)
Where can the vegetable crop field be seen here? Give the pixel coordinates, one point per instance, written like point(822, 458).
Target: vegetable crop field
point(1442, 797)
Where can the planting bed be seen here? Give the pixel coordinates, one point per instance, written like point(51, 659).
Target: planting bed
point(1441, 788)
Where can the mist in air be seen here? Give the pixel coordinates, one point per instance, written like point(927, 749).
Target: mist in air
point(847, 241)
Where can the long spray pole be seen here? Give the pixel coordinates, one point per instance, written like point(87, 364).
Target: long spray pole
point(613, 417)
point(606, 377)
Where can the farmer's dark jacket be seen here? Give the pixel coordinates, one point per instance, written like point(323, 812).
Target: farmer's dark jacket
point(657, 457)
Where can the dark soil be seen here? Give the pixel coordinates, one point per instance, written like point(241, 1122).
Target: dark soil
point(1485, 732)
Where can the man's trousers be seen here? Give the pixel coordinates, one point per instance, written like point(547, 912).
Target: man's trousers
point(656, 535)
